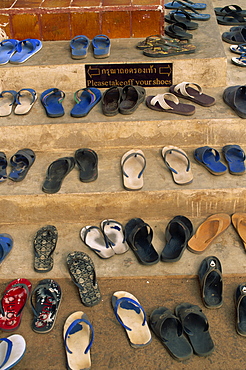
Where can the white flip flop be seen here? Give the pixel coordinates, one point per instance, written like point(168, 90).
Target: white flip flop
point(78, 338)
point(25, 100)
point(178, 163)
point(133, 164)
point(7, 101)
point(94, 238)
point(12, 350)
point(115, 234)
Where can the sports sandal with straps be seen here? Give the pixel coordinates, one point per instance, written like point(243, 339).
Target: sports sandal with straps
point(85, 100)
point(192, 92)
point(13, 302)
point(45, 302)
point(51, 100)
point(169, 103)
point(44, 245)
point(178, 163)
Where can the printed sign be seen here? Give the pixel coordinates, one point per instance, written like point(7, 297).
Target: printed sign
point(145, 75)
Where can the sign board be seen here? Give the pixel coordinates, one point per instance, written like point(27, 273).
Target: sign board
point(138, 74)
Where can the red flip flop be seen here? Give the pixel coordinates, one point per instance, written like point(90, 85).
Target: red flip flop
point(12, 303)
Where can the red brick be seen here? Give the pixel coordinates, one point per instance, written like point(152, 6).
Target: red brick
point(56, 3)
point(55, 26)
point(86, 3)
point(145, 23)
point(27, 4)
point(25, 26)
point(115, 2)
point(86, 23)
point(5, 4)
point(146, 2)
point(116, 24)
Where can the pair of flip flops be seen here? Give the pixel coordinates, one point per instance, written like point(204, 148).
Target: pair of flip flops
point(139, 237)
point(235, 98)
point(44, 245)
point(210, 159)
point(82, 271)
point(85, 99)
point(183, 333)
point(178, 4)
point(20, 163)
point(79, 46)
point(12, 349)
point(107, 240)
point(230, 15)
point(45, 302)
point(175, 17)
point(87, 162)
point(19, 103)
point(178, 231)
point(18, 52)
point(122, 100)
point(178, 164)
point(239, 49)
point(193, 13)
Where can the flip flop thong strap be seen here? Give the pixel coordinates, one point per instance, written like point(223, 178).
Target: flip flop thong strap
point(128, 300)
point(178, 151)
point(8, 352)
point(54, 91)
point(70, 329)
point(77, 96)
point(135, 154)
point(183, 86)
point(160, 98)
point(31, 91)
point(12, 92)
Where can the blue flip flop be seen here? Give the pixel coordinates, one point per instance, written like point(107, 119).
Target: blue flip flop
point(6, 244)
point(52, 101)
point(101, 46)
point(85, 100)
point(7, 49)
point(183, 4)
point(193, 14)
point(79, 46)
point(235, 157)
point(210, 159)
point(25, 49)
point(21, 162)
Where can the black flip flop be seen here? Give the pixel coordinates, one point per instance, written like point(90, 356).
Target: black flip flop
point(186, 19)
point(178, 231)
point(139, 238)
point(168, 329)
point(45, 302)
point(233, 19)
point(177, 31)
point(211, 283)
point(21, 163)
point(240, 298)
point(111, 100)
point(87, 161)
point(228, 9)
point(235, 97)
point(44, 245)
point(56, 173)
point(3, 166)
point(82, 271)
point(131, 98)
point(196, 327)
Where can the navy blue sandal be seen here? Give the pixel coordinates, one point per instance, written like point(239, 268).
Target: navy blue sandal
point(21, 163)
point(235, 157)
point(210, 159)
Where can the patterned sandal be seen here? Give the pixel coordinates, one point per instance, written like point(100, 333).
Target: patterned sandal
point(45, 301)
point(82, 271)
point(44, 245)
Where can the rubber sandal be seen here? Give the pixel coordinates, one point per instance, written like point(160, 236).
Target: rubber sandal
point(139, 237)
point(56, 173)
point(240, 301)
point(82, 271)
point(154, 40)
point(167, 50)
point(111, 101)
point(7, 101)
point(178, 163)
point(3, 167)
point(238, 49)
point(115, 235)
point(101, 46)
point(235, 157)
point(168, 329)
point(178, 231)
point(45, 302)
point(12, 349)
point(21, 163)
point(133, 164)
point(177, 30)
point(79, 47)
point(25, 49)
point(194, 14)
point(235, 97)
point(193, 92)
point(13, 302)
point(231, 19)
point(240, 61)
point(228, 9)
point(239, 223)
point(196, 327)
point(6, 245)
point(131, 98)
point(131, 315)
point(169, 103)
point(51, 100)
point(94, 238)
point(208, 231)
point(176, 4)
point(211, 282)
point(87, 161)
point(237, 37)
point(176, 18)
point(85, 100)
point(210, 159)
point(44, 245)
point(78, 334)
point(25, 100)
point(7, 49)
